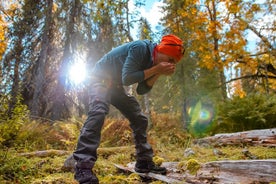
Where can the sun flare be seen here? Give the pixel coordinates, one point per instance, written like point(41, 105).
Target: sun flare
point(77, 73)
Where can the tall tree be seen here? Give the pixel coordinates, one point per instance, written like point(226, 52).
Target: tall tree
point(60, 108)
point(189, 85)
point(216, 31)
point(257, 67)
point(18, 56)
point(145, 33)
point(39, 102)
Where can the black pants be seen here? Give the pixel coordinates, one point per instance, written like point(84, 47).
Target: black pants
point(101, 96)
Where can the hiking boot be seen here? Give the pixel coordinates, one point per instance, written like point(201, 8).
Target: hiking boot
point(85, 176)
point(144, 166)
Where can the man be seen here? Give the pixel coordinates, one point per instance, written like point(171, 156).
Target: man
point(139, 62)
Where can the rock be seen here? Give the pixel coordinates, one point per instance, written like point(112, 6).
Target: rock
point(218, 152)
point(188, 152)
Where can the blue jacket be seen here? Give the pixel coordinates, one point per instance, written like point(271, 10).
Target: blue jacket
point(125, 64)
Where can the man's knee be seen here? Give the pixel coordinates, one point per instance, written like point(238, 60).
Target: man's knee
point(94, 122)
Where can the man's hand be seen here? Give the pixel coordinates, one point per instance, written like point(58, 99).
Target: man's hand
point(162, 68)
point(165, 68)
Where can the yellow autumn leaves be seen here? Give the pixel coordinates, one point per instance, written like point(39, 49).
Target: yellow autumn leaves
point(3, 42)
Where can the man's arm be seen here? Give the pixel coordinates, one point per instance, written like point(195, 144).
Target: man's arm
point(150, 81)
point(153, 73)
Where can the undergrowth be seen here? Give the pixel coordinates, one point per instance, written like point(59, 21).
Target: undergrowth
point(166, 136)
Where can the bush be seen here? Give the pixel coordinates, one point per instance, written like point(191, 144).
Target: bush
point(10, 125)
point(241, 114)
point(18, 130)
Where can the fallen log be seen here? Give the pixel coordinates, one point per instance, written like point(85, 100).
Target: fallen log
point(101, 151)
point(265, 137)
point(239, 171)
point(129, 168)
point(45, 153)
point(216, 172)
point(70, 162)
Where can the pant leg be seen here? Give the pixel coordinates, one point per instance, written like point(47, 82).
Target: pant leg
point(90, 135)
point(131, 109)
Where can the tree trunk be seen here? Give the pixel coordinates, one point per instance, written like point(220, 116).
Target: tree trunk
point(147, 109)
point(61, 106)
point(223, 85)
point(15, 84)
point(38, 101)
point(15, 90)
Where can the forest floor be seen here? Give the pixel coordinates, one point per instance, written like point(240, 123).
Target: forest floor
point(44, 163)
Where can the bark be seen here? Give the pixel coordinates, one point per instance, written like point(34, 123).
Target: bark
point(252, 77)
point(212, 9)
point(15, 73)
point(266, 137)
point(38, 100)
point(239, 171)
point(15, 80)
point(147, 110)
point(226, 172)
point(164, 178)
point(128, 22)
point(269, 68)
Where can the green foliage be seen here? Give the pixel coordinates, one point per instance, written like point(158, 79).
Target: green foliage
point(19, 169)
point(35, 135)
point(10, 125)
point(18, 130)
point(16, 169)
point(251, 112)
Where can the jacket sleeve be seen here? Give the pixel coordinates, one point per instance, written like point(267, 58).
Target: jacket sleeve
point(143, 88)
point(133, 69)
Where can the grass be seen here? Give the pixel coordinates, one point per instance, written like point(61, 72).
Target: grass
point(168, 139)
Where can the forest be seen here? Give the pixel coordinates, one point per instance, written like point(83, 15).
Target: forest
point(225, 82)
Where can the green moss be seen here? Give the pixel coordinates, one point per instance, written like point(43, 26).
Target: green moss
point(192, 166)
point(121, 179)
point(17, 169)
point(181, 166)
point(158, 160)
point(56, 178)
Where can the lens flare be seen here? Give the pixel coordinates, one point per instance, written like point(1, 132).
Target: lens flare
point(77, 73)
point(201, 116)
point(205, 115)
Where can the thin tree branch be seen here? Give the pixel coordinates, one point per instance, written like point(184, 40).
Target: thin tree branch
point(251, 76)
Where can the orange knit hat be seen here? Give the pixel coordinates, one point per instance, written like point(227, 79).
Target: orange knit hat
point(171, 45)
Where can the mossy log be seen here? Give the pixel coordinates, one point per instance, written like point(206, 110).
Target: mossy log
point(265, 137)
point(153, 176)
point(216, 172)
point(45, 153)
point(101, 151)
point(239, 171)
